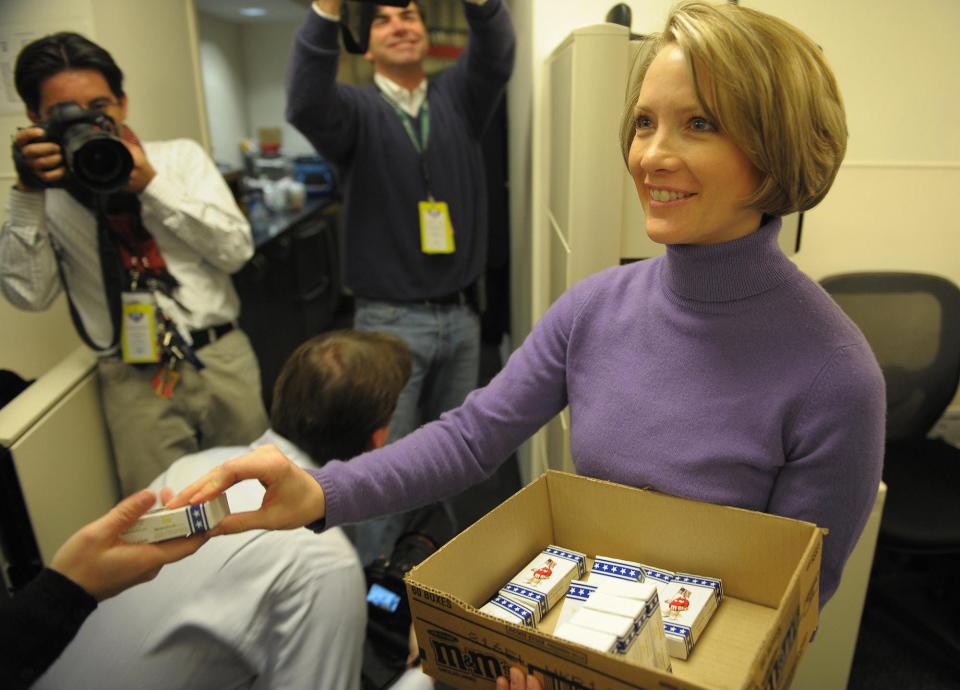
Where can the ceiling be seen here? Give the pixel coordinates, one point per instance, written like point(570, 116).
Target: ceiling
point(276, 10)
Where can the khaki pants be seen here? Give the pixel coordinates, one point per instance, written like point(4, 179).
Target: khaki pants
point(217, 406)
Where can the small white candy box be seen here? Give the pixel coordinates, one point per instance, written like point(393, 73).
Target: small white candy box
point(510, 611)
point(550, 573)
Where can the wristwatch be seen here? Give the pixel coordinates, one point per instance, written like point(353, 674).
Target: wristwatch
point(317, 525)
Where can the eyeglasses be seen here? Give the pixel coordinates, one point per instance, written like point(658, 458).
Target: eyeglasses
point(101, 103)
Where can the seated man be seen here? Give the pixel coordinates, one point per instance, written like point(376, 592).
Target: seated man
point(92, 565)
point(270, 609)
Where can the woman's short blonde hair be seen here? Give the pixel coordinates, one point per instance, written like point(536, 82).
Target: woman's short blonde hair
point(766, 85)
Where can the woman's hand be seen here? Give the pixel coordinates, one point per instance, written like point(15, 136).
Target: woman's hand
point(293, 498)
point(100, 561)
point(518, 681)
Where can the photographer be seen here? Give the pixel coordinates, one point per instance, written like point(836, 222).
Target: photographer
point(143, 238)
point(408, 150)
point(282, 609)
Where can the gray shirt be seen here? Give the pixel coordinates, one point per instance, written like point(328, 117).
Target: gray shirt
point(282, 609)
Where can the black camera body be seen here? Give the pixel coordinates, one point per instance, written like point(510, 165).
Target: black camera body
point(355, 24)
point(388, 611)
point(94, 156)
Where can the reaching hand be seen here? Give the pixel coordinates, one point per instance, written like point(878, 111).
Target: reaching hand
point(293, 497)
point(97, 559)
point(518, 681)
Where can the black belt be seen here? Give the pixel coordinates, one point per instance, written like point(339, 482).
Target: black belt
point(463, 298)
point(459, 297)
point(205, 336)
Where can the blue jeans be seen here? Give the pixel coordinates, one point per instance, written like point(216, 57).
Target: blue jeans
point(444, 343)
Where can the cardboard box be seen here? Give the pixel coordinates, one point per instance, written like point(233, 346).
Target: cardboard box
point(160, 525)
point(770, 567)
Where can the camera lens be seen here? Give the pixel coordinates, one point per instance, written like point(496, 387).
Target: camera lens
point(99, 161)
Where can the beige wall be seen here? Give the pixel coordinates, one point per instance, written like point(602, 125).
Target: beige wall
point(898, 68)
point(244, 69)
point(266, 48)
point(221, 61)
point(154, 42)
point(892, 206)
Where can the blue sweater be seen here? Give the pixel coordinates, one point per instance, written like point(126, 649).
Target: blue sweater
point(358, 130)
point(719, 373)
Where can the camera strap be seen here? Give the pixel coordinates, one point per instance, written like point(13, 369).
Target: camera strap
point(129, 260)
point(418, 139)
point(111, 269)
point(436, 228)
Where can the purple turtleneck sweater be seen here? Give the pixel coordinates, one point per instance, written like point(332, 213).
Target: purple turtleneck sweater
point(720, 373)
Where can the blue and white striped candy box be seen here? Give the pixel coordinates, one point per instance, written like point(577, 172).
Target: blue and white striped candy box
point(687, 603)
point(592, 639)
point(615, 569)
point(611, 624)
point(639, 601)
point(548, 574)
point(510, 611)
point(714, 583)
point(160, 525)
point(578, 591)
point(527, 596)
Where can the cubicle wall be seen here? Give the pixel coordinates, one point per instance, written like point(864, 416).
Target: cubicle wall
point(56, 466)
point(826, 663)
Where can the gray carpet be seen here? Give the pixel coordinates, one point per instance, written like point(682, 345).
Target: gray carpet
point(910, 631)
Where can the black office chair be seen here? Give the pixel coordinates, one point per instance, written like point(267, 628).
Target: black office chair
point(912, 322)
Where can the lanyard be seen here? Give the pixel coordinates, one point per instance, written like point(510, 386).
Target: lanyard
point(419, 143)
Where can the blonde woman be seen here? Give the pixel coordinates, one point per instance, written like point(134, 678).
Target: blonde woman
point(718, 371)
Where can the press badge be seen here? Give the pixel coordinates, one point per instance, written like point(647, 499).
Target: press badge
point(436, 231)
point(138, 332)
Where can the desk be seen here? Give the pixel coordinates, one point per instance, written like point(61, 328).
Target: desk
point(826, 663)
point(277, 223)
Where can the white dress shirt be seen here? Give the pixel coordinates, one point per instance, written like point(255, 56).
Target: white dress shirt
point(409, 102)
point(261, 609)
point(188, 208)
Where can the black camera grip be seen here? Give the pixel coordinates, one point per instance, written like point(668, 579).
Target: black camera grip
point(24, 172)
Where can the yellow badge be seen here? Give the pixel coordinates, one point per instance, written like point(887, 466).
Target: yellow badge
point(138, 334)
point(436, 231)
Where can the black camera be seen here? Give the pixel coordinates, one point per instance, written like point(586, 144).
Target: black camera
point(94, 156)
point(392, 3)
point(388, 613)
point(355, 24)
